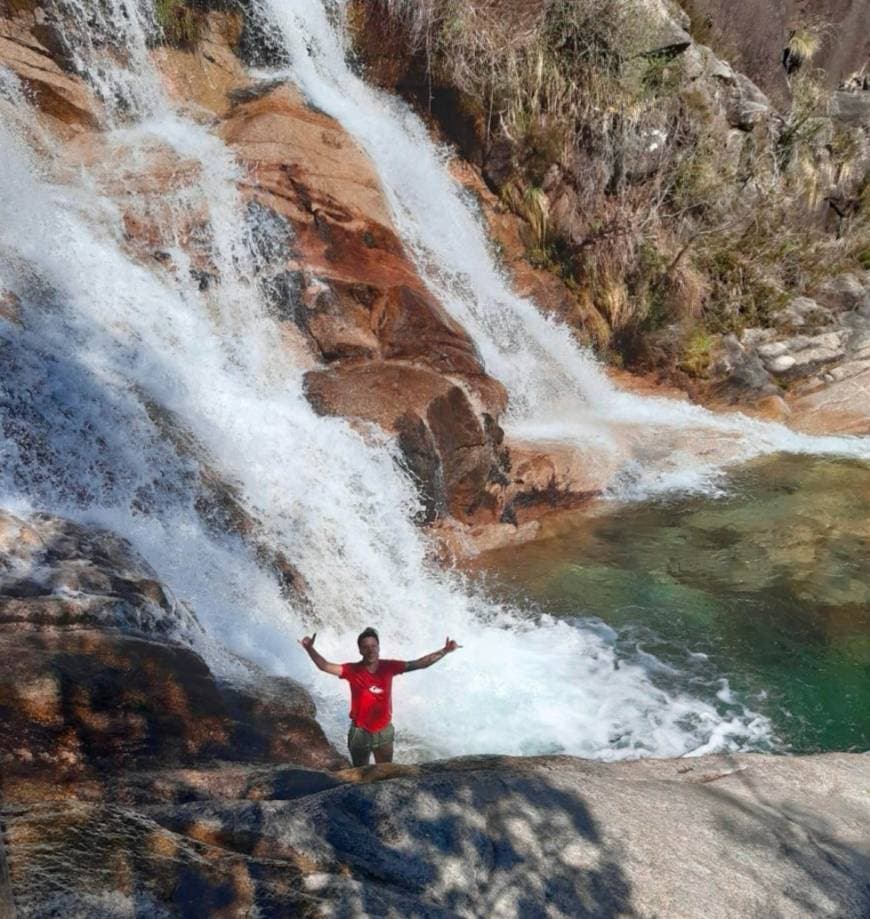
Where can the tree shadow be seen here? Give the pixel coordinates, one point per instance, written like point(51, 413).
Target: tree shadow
point(487, 836)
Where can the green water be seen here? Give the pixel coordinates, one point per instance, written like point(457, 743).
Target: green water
point(767, 587)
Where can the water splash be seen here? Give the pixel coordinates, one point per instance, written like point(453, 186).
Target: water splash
point(108, 334)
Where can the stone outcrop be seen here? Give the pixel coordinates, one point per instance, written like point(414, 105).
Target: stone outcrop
point(202, 79)
point(553, 836)
point(135, 782)
point(819, 350)
point(335, 269)
point(100, 679)
point(754, 36)
point(347, 297)
point(31, 49)
point(580, 202)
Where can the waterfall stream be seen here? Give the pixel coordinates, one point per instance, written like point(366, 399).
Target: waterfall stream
point(106, 336)
point(558, 391)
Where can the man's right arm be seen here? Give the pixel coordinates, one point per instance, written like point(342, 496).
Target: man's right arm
point(319, 660)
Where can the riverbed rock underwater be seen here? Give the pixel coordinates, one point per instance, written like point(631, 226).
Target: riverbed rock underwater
point(297, 335)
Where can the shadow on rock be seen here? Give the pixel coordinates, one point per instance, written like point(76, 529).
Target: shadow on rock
point(487, 837)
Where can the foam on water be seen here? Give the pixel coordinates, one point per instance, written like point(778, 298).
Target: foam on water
point(106, 336)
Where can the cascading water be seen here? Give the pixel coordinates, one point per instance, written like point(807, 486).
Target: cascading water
point(557, 391)
point(106, 336)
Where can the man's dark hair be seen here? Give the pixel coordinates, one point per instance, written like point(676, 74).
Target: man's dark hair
point(367, 633)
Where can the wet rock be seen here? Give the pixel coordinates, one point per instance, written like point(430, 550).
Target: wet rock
point(839, 405)
point(773, 408)
point(549, 476)
point(411, 326)
point(423, 462)
point(400, 360)
point(448, 448)
point(97, 683)
point(202, 79)
point(456, 542)
point(61, 95)
point(10, 307)
point(54, 572)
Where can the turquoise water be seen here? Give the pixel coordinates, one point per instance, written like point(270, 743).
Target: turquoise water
point(762, 594)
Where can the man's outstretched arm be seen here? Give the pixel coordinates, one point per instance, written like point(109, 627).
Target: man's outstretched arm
point(319, 660)
point(428, 659)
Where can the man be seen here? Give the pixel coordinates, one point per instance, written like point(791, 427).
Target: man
point(371, 685)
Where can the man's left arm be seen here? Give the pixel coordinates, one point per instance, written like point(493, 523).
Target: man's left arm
point(428, 659)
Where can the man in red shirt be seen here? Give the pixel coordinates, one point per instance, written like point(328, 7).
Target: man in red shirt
point(371, 685)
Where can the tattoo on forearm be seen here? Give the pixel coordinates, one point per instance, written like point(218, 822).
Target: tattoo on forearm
point(425, 661)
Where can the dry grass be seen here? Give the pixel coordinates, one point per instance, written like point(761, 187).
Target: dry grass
point(698, 235)
point(179, 23)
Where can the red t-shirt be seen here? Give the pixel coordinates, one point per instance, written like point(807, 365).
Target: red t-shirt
point(371, 694)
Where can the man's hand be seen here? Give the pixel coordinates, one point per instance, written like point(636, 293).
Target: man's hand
point(319, 660)
point(427, 660)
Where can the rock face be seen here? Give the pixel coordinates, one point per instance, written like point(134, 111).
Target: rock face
point(394, 357)
point(136, 783)
point(97, 683)
point(756, 35)
point(556, 836)
point(820, 350)
point(347, 296)
point(31, 49)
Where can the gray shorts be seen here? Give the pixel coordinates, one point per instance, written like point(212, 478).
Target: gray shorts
point(361, 742)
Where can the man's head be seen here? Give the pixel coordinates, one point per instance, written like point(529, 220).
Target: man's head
point(369, 645)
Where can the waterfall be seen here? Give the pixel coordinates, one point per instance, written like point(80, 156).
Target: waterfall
point(108, 335)
point(558, 391)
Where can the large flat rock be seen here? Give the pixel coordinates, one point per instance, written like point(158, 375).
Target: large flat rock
point(712, 837)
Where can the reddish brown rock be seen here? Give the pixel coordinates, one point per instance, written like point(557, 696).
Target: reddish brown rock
point(58, 94)
point(301, 164)
point(553, 476)
point(412, 326)
point(200, 79)
point(449, 448)
point(10, 307)
point(334, 266)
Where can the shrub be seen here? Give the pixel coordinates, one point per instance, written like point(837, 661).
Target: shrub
point(700, 231)
point(178, 22)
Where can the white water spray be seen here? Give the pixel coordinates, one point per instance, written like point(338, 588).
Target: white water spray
point(106, 334)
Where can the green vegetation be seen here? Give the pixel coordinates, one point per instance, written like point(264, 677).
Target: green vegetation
point(179, 23)
point(661, 198)
point(697, 351)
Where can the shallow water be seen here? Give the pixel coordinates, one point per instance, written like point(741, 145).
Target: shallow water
point(767, 586)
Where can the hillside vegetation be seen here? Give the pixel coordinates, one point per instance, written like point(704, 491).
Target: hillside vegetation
point(660, 184)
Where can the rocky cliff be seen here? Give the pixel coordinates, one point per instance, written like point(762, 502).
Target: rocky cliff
point(755, 39)
point(684, 216)
point(135, 781)
point(346, 295)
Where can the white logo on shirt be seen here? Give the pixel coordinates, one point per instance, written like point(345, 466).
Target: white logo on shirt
point(376, 690)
